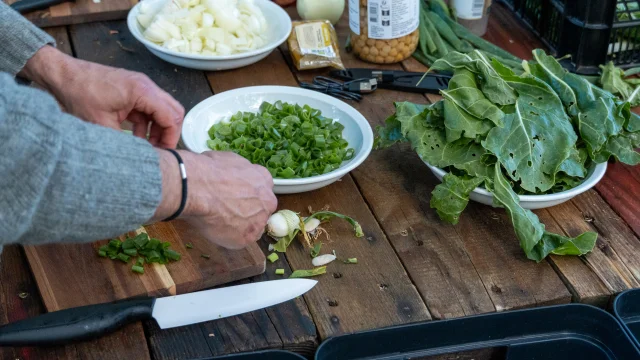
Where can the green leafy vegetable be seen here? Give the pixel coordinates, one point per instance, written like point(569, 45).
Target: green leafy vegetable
point(315, 250)
point(613, 80)
point(273, 257)
point(146, 250)
point(308, 273)
point(452, 196)
point(534, 240)
point(553, 126)
point(291, 141)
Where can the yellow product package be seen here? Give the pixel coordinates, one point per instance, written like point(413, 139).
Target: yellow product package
point(314, 44)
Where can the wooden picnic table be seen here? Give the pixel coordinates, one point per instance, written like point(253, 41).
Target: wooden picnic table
point(412, 266)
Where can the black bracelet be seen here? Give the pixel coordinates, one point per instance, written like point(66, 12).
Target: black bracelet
point(183, 174)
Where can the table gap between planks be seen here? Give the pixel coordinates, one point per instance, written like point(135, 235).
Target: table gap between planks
point(412, 267)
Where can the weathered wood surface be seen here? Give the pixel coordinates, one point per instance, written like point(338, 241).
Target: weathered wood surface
point(411, 267)
point(98, 42)
point(344, 299)
point(79, 11)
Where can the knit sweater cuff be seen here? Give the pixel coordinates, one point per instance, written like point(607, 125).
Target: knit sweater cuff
point(20, 40)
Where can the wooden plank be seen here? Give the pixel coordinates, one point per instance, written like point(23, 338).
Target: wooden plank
point(247, 332)
point(95, 42)
point(465, 263)
point(190, 87)
point(110, 280)
point(379, 277)
point(617, 248)
point(112, 44)
point(292, 319)
point(377, 292)
point(613, 230)
point(620, 188)
point(80, 11)
point(433, 254)
point(185, 342)
point(19, 300)
point(584, 284)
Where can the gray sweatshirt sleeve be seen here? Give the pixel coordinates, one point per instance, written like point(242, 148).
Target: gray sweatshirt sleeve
point(20, 39)
point(62, 179)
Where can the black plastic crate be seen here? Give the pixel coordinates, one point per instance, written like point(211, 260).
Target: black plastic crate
point(593, 32)
point(564, 332)
point(626, 307)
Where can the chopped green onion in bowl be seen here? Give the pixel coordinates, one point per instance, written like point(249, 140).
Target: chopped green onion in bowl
point(290, 140)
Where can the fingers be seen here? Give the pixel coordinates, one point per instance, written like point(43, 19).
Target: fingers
point(140, 124)
point(165, 112)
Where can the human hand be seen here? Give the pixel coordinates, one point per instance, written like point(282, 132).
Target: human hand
point(229, 199)
point(107, 96)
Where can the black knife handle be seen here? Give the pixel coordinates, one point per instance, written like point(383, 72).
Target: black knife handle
point(24, 6)
point(75, 324)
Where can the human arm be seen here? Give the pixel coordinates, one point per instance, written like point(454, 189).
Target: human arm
point(72, 181)
point(20, 40)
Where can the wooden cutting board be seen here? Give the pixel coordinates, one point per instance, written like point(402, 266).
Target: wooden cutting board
point(80, 11)
point(71, 275)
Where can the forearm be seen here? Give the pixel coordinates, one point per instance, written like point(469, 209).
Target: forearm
point(20, 40)
point(66, 180)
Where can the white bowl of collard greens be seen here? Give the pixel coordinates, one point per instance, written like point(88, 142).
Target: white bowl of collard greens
point(532, 202)
point(522, 136)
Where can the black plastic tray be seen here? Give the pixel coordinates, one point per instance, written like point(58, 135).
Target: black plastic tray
point(565, 332)
point(261, 355)
point(626, 307)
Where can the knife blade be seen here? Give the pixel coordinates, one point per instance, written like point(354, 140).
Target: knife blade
point(89, 322)
point(397, 80)
point(25, 6)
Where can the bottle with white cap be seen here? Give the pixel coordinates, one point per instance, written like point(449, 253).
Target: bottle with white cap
point(473, 14)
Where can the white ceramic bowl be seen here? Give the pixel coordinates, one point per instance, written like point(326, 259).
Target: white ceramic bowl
point(279, 30)
point(357, 130)
point(481, 195)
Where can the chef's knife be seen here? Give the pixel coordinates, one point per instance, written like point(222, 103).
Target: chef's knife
point(397, 80)
point(25, 6)
point(92, 321)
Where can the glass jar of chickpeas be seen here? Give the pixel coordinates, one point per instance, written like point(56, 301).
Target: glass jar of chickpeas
point(384, 31)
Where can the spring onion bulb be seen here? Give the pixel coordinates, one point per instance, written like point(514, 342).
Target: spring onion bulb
point(205, 27)
point(283, 223)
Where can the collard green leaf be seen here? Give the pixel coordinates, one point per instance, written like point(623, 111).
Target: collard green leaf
point(463, 92)
point(493, 86)
point(622, 147)
point(389, 134)
point(574, 164)
point(612, 80)
point(526, 224)
point(551, 72)
point(561, 245)
point(536, 242)
point(431, 145)
point(598, 122)
point(452, 196)
point(633, 124)
point(460, 123)
point(536, 139)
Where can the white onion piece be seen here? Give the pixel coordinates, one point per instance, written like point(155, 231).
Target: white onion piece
point(210, 27)
point(323, 259)
point(207, 20)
